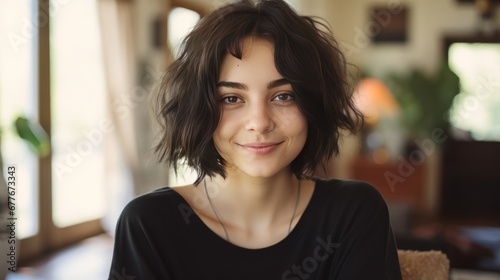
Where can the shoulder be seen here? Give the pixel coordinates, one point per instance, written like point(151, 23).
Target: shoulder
point(348, 189)
point(351, 208)
point(349, 195)
point(158, 198)
point(162, 203)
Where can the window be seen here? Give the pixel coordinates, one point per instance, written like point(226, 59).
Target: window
point(18, 96)
point(70, 103)
point(78, 106)
point(477, 108)
point(180, 22)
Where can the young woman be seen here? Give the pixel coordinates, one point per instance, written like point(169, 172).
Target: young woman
point(255, 103)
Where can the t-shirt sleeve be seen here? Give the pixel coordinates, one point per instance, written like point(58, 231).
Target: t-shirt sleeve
point(368, 250)
point(134, 254)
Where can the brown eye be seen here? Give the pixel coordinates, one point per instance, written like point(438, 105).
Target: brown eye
point(231, 100)
point(284, 97)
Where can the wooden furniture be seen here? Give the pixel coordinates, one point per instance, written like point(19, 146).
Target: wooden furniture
point(471, 181)
point(400, 181)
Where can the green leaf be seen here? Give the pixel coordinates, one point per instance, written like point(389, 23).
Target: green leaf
point(424, 98)
point(33, 134)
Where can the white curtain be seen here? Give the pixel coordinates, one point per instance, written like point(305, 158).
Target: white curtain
point(129, 164)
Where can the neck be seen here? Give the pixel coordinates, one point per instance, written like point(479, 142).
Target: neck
point(249, 202)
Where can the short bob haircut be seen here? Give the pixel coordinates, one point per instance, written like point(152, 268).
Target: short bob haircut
point(305, 54)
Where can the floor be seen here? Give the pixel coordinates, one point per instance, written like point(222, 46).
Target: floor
point(489, 237)
point(91, 259)
point(473, 275)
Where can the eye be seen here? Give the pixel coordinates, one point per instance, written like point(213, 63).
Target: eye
point(231, 100)
point(284, 97)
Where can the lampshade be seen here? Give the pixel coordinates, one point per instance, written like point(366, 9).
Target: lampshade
point(374, 100)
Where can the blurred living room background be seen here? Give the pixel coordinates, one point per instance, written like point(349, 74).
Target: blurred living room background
point(76, 81)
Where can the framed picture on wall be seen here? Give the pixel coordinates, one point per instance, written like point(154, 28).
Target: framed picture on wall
point(387, 26)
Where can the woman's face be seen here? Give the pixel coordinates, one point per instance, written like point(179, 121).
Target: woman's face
point(261, 130)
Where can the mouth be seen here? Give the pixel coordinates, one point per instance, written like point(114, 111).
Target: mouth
point(260, 148)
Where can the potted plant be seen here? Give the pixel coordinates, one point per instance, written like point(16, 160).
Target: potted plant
point(424, 99)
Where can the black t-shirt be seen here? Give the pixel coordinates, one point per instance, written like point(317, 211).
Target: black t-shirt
point(344, 233)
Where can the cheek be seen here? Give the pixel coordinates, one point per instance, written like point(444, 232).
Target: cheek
point(299, 123)
point(294, 121)
point(224, 132)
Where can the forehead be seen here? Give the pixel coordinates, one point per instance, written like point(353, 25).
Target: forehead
point(256, 63)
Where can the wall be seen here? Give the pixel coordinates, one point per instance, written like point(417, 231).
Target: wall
point(429, 21)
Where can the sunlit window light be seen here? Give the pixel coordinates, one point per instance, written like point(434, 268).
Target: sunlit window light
point(477, 108)
point(18, 96)
point(180, 22)
point(78, 107)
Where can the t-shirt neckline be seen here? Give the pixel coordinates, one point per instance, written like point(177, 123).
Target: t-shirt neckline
point(294, 234)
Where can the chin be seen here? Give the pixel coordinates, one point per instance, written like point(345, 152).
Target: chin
point(262, 171)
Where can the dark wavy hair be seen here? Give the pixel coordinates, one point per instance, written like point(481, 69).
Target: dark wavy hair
point(305, 54)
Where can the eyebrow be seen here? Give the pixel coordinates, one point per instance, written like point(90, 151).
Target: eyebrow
point(270, 85)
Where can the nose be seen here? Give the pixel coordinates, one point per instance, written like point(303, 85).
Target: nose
point(259, 118)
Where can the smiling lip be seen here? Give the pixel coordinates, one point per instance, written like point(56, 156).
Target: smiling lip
point(260, 148)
